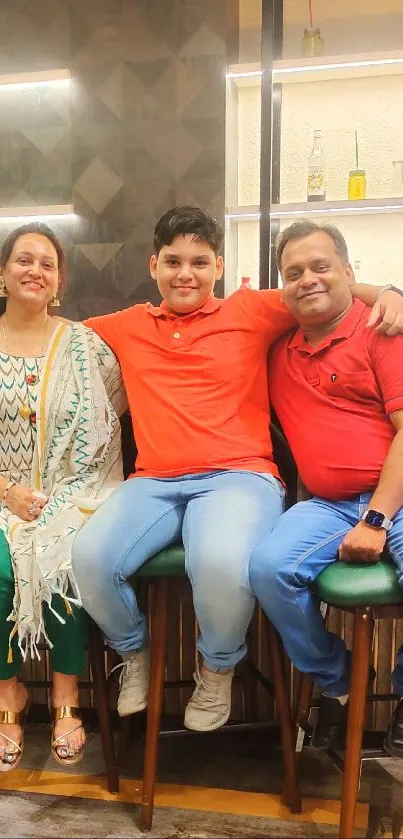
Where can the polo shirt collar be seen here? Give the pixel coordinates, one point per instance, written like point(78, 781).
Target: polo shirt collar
point(344, 330)
point(211, 305)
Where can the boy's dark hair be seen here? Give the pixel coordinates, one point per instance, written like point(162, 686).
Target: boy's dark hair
point(180, 221)
point(304, 227)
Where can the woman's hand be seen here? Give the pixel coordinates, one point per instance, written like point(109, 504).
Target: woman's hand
point(25, 502)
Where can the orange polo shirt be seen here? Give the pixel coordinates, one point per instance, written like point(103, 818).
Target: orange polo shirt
point(197, 384)
point(333, 402)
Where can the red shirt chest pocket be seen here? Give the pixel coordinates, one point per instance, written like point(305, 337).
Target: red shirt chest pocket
point(357, 386)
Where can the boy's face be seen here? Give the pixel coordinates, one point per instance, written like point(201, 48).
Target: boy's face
point(186, 272)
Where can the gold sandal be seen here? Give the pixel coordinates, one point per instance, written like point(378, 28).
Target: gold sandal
point(72, 756)
point(11, 755)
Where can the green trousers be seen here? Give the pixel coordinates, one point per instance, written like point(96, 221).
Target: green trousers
point(68, 639)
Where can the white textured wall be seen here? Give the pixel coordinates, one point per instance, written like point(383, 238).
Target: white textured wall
point(373, 106)
point(248, 145)
point(248, 252)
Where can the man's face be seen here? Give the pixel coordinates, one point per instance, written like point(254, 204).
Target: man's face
point(186, 272)
point(316, 283)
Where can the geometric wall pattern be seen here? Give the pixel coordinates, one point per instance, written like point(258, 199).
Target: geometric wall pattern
point(141, 128)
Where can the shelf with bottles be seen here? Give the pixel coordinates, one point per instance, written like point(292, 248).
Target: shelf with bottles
point(320, 69)
point(368, 206)
point(374, 171)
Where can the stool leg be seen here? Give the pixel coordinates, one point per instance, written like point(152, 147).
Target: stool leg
point(362, 640)
point(304, 699)
point(281, 693)
point(155, 697)
point(250, 683)
point(125, 738)
point(301, 713)
point(96, 648)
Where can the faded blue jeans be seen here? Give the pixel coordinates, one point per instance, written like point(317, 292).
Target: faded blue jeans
point(219, 515)
point(284, 565)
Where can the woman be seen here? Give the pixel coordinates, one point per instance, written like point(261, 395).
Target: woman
point(59, 457)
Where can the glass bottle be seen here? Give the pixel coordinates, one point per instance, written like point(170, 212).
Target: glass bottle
point(357, 270)
point(316, 190)
point(357, 185)
point(245, 282)
point(312, 43)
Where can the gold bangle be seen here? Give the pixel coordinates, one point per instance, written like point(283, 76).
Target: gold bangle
point(6, 491)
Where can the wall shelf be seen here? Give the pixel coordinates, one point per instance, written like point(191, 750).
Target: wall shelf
point(325, 68)
point(377, 206)
point(35, 77)
point(46, 211)
point(269, 139)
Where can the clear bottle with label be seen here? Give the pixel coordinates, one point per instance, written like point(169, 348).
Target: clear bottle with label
point(245, 282)
point(316, 190)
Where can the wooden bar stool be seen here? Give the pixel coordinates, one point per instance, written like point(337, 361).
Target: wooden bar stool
point(159, 571)
point(369, 592)
point(96, 650)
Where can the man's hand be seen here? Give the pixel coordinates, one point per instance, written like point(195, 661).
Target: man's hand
point(387, 313)
point(362, 544)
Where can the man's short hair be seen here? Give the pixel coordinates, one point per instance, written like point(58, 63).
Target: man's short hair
point(181, 221)
point(304, 227)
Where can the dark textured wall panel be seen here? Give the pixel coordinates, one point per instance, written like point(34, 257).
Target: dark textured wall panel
point(140, 129)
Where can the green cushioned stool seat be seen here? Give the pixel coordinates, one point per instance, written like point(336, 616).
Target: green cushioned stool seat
point(348, 584)
point(167, 563)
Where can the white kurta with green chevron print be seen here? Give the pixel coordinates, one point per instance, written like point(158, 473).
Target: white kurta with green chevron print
point(72, 454)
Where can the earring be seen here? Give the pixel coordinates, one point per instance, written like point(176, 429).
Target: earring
point(55, 301)
point(3, 290)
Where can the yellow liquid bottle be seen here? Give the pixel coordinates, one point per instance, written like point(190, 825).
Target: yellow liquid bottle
point(357, 185)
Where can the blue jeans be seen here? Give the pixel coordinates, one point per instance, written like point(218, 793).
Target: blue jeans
point(288, 560)
point(219, 515)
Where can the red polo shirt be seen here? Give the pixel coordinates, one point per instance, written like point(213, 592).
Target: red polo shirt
point(197, 384)
point(333, 402)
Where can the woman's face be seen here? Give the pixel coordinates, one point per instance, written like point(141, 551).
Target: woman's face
point(31, 275)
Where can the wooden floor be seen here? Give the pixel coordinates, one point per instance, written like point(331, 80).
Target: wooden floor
point(209, 786)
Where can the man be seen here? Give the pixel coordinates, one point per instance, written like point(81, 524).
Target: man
point(195, 374)
point(337, 388)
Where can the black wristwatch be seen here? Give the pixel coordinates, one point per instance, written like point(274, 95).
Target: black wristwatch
point(376, 520)
point(390, 287)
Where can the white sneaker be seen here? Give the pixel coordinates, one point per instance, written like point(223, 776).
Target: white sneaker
point(210, 705)
point(133, 683)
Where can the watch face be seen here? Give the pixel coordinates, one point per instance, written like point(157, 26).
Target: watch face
point(374, 518)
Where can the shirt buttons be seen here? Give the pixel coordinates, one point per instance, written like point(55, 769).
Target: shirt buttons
point(176, 335)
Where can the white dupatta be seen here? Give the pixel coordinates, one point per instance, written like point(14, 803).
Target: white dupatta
point(76, 463)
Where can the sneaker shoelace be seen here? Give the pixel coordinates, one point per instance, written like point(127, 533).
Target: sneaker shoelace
point(129, 667)
point(211, 691)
